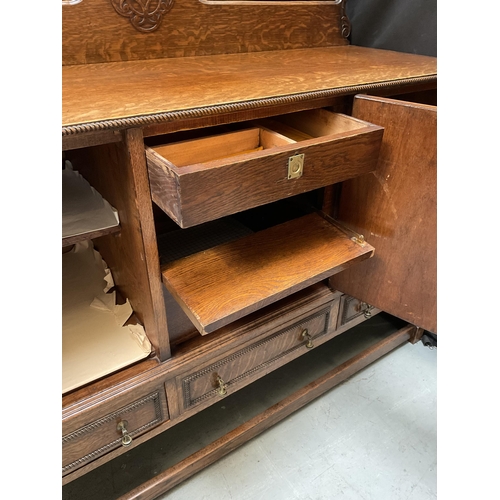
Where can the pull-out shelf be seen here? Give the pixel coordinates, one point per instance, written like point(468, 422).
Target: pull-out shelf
point(219, 285)
point(203, 179)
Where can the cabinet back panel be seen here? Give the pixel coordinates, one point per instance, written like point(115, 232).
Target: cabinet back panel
point(93, 32)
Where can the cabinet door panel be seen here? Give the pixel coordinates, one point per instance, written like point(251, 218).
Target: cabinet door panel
point(395, 209)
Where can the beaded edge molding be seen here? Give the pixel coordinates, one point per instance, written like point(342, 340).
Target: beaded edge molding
point(158, 118)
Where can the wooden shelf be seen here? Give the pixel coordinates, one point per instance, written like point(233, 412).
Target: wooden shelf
point(85, 213)
point(229, 281)
point(89, 235)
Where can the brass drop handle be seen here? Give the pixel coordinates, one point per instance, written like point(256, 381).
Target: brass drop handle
point(126, 437)
point(367, 309)
point(222, 389)
point(305, 335)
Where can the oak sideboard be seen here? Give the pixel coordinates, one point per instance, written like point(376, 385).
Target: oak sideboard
point(269, 187)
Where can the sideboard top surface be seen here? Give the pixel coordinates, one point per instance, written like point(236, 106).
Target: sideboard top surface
point(138, 93)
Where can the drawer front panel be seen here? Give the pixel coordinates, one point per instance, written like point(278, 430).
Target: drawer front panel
point(254, 360)
point(352, 309)
point(102, 436)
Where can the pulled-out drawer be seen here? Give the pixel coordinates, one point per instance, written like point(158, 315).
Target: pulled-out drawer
point(203, 179)
point(257, 358)
point(113, 430)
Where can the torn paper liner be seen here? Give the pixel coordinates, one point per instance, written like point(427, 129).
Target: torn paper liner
point(96, 339)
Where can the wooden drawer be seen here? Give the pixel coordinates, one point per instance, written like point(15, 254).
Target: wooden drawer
point(352, 309)
point(206, 178)
point(99, 437)
point(257, 358)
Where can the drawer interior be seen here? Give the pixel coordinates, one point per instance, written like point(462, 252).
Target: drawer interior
point(231, 141)
point(313, 123)
point(221, 146)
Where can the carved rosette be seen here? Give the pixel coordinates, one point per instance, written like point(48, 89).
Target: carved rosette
point(145, 15)
point(344, 22)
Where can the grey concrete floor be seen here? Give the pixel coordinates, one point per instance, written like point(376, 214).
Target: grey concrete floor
point(371, 437)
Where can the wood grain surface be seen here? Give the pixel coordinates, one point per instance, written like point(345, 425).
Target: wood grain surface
point(395, 209)
point(114, 91)
point(224, 283)
point(191, 28)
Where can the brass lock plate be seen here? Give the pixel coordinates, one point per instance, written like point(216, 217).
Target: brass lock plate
point(295, 166)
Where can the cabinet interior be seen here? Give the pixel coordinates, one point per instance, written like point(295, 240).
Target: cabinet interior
point(174, 243)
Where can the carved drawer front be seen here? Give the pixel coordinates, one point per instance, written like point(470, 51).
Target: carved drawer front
point(113, 430)
point(256, 359)
point(352, 309)
point(227, 171)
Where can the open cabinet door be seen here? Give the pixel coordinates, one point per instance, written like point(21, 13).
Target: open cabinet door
point(394, 208)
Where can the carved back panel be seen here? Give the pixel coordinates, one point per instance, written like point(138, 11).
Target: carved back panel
point(96, 31)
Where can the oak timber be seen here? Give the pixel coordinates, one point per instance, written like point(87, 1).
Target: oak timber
point(98, 438)
point(224, 283)
point(395, 209)
point(162, 90)
point(192, 28)
point(206, 65)
point(90, 235)
point(197, 388)
point(204, 191)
